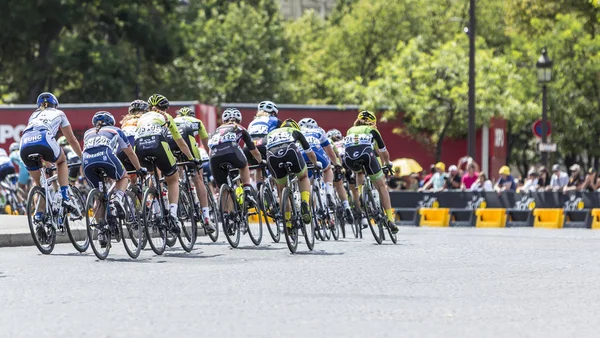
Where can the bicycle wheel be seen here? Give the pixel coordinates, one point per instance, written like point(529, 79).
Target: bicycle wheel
point(42, 233)
point(393, 236)
point(137, 204)
point(373, 214)
point(213, 215)
point(334, 227)
point(231, 220)
point(132, 232)
point(270, 209)
point(76, 223)
point(95, 219)
point(308, 230)
point(340, 221)
point(318, 214)
point(253, 217)
point(185, 213)
point(290, 228)
point(154, 225)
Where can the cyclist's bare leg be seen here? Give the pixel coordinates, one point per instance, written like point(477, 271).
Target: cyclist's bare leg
point(63, 170)
point(173, 184)
point(35, 176)
point(384, 195)
point(339, 188)
point(245, 175)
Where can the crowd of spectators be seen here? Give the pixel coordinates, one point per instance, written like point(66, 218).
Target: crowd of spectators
point(468, 177)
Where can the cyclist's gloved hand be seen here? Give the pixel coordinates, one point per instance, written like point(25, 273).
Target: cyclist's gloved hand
point(196, 161)
point(142, 171)
point(263, 163)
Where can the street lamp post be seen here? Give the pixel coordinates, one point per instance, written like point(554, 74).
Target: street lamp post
point(544, 72)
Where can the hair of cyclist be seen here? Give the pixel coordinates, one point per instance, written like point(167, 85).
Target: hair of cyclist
point(360, 122)
point(128, 117)
point(261, 113)
point(99, 125)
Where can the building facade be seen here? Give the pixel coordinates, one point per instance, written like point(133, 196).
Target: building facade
point(293, 9)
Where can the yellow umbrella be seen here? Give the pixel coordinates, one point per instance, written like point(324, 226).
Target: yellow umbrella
point(406, 166)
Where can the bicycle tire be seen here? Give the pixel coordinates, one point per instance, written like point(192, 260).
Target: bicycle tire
point(320, 223)
point(93, 215)
point(269, 206)
point(308, 230)
point(76, 233)
point(252, 208)
point(185, 213)
point(213, 214)
point(334, 228)
point(291, 231)
point(131, 229)
point(154, 225)
point(46, 240)
point(137, 203)
point(231, 221)
point(372, 214)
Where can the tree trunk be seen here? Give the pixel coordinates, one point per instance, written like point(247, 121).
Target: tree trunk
point(442, 135)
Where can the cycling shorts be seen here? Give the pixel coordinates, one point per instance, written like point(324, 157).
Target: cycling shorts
point(261, 144)
point(350, 178)
point(360, 156)
point(101, 158)
point(222, 154)
point(191, 143)
point(321, 157)
point(125, 160)
point(74, 171)
point(156, 146)
point(5, 170)
point(281, 154)
point(39, 142)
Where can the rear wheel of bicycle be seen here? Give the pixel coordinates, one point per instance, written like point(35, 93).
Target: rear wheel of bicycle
point(213, 215)
point(95, 219)
point(185, 213)
point(43, 236)
point(231, 221)
point(373, 214)
point(319, 222)
point(253, 217)
point(76, 222)
point(308, 230)
point(270, 209)
point(154, 225)
point(290, 228)
point(335, 218)
point(137, 204)
point(132, 232)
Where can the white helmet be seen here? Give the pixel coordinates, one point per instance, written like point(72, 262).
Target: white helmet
point(268, 107)
point(231, 113)
point(13, 147)
point(335, 134)
point(308, 123)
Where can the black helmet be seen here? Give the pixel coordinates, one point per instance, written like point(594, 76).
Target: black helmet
point(158, 101)
point(138, 105)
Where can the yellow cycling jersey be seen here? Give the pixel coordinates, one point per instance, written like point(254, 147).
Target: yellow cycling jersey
point(195, 124)
point(154, 123)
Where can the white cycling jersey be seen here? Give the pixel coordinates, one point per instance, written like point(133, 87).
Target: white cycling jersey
point(49, 119)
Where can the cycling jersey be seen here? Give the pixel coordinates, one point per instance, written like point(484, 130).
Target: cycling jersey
point(15, 157)
point(100, 149)
point(6, 165)
point(339, 145)
point(364, 135)
point(225, 148)
point(262, 125)
point(317, 138)
point(151, 141)
point(228, 135)
point(282, 148)
point(129, 128)
point(38, 136)
point(189, 127)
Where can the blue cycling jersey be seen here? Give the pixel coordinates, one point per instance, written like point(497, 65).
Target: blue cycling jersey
point(262, 125)
point(108, 137)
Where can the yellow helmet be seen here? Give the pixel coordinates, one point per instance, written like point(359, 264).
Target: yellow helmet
point(290, 123)
point(185, 111)
point(367, 116)
point(504, 170)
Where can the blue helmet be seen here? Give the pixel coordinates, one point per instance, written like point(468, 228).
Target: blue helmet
point(105, 117)
point(49, 98)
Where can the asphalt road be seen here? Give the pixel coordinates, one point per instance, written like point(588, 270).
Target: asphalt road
point(434, 283)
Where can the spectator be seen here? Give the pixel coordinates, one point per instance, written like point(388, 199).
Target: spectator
point(470, 177)
point(453, 179)
point(591, 181)
point(482, 183)
point(531, 183)
point(394, 184)
point(506, 181)
point(543, 179)
point(438, 180)
point(411, 182)
point(430, 175)
point(576, 180)
point(559, 179)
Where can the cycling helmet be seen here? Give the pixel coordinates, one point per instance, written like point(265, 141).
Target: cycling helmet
point(290, 123)
point(367, 116)
point(47, 99)
point(62, 141)
point(335, 134)
point(13, 147)
point(308, 123)
point(269, 107)
point(231, 113)
point(138, 105)
point(158, 101)
point(185, 111)
point(105, 117)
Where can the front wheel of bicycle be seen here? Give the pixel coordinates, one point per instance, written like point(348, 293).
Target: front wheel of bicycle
point(154, 225)
point(373, 214)
point(213, 215)
point(252, 211)
point(132, 232)
point(270, 210)
point(96, 226)
point(290, 225)
point(187, 218)
point(318, 219)
point(308, 230)
point(44, 235)
point(230, 219)
point(75, 222)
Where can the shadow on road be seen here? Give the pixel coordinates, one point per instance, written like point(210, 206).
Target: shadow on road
point(252, 247)
point(319, 253)
point(71, 254)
